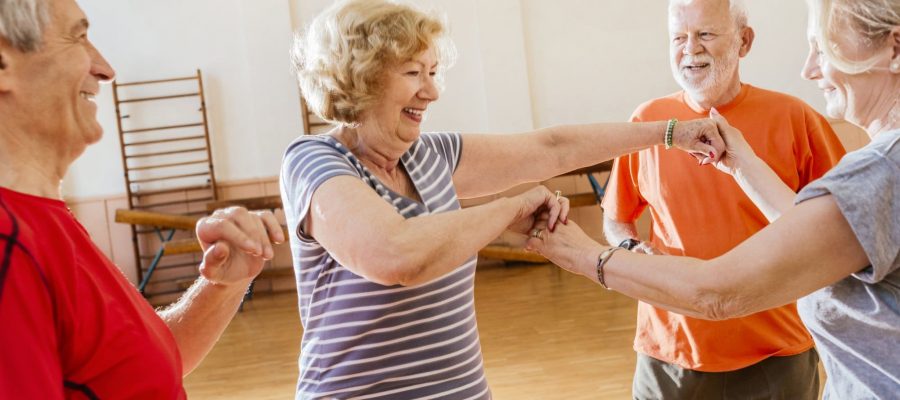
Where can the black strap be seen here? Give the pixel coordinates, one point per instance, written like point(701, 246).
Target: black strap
point(81, 388)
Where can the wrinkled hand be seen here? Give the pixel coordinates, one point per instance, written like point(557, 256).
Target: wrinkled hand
point(535, 202)
point(737, 151)
point(568, 247)
point(539, 226)
point(236, 244)
point(700, 138)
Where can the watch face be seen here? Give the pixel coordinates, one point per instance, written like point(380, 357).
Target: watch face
point(629, 244)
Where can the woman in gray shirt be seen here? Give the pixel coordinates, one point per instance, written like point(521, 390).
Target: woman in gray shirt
point(837, 249)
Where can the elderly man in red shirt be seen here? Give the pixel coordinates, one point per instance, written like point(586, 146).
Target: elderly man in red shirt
point(71, 325)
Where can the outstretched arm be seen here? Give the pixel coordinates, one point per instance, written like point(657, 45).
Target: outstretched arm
point(770, 269)
point(758, 181)
point(366, 235)
point(491, 163)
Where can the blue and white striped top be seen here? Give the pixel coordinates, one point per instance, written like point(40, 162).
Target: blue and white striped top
point(363, 340)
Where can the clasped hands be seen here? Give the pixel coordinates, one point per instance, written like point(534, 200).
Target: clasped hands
point(548, 230)
point(236, 244)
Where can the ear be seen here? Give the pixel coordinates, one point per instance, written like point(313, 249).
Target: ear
point(894, 40)
point(7, 53)
point(747, 36)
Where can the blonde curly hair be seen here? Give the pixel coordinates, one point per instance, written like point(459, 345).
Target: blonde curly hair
point(342, 57)
point(870, 20)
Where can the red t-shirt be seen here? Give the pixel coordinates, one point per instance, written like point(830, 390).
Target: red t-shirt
point(71, 325)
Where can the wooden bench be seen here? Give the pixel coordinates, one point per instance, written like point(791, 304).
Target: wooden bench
point(166, 225)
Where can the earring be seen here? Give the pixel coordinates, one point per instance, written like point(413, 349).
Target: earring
point(895, 67)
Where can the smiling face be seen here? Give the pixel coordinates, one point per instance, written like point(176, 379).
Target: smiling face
point(407, 90)
point(705, 46)
point(858, 98)
point(53, 88)
point(828, 79)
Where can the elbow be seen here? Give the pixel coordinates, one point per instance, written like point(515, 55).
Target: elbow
point(403, 272)
point(552, 138)
point(392, 266)
point(716, 304)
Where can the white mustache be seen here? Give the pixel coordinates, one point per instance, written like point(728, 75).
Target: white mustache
point(695, 61)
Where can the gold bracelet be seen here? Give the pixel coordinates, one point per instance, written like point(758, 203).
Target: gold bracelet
point(601, 262)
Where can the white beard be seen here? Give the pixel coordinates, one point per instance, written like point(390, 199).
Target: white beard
point(715, 81)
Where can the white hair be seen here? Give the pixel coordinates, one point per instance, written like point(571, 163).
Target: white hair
point(22, 23)
point(738, 10)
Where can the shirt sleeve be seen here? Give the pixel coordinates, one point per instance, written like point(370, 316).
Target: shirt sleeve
point(447, 145)
point(30, 362)
point(866, 186)
point(820, 149)
point(623, 201)
point(307, 165)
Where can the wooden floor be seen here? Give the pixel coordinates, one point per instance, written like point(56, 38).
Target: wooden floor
point(546, 334)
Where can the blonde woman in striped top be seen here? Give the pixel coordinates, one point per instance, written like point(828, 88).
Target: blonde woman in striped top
point(383, 254)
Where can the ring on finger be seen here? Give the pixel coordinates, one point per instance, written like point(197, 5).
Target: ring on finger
point(537, 233)
point(558, 194)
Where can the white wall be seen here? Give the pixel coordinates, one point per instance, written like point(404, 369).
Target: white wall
point(780, 50)
point(597, 60)
point(241, 46)
point(522, 64)
point(594, 60)
point(487, 89)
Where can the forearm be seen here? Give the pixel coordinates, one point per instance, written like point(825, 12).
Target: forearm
point(578, 146)
point(765, 188)
point(749, 278)
point(435, 244)
point(198, 319)
point(685, 285)
point(513, 159)
point(672, 283)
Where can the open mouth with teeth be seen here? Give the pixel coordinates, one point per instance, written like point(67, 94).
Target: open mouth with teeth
point(87, 95)
point(696, 67)
point(414, 113)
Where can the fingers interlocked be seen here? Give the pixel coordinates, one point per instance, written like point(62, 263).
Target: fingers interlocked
point(251, 232)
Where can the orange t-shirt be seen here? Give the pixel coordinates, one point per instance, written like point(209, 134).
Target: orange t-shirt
point(701, 212)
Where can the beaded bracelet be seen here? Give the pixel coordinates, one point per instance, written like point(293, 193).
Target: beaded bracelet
point(670, 129)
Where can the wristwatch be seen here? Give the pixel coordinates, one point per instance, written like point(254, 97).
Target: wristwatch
point(629, 244)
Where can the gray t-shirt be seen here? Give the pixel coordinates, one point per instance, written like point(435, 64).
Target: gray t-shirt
point(856, 321)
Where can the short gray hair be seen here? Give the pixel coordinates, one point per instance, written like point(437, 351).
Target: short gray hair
point(738, 10)
point(22, 23)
